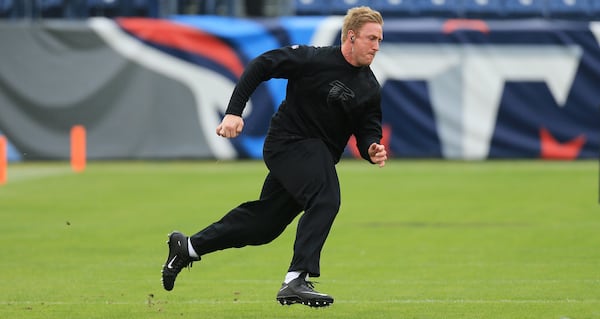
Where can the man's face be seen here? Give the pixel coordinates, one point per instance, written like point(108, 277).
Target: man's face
point(366, 43)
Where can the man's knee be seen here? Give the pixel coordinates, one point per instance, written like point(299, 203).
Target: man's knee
point(265, 233)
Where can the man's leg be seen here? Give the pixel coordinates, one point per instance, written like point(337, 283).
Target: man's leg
point(307, 171)
point(251, 223)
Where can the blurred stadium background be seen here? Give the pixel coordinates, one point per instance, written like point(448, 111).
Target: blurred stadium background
point(150, 79)
point(81, 9)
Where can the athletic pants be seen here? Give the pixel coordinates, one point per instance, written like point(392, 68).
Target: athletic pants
point(302, 177)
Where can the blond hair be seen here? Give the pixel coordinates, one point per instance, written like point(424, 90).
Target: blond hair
point(357, 17)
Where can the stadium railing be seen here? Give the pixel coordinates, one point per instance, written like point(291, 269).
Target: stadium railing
point(485, 9)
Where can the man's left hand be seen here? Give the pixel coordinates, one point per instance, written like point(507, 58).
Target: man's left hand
point(378, 154)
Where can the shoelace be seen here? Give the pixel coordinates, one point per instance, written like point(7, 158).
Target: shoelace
point(310, 284)
point(190, 263)
point(181, 263)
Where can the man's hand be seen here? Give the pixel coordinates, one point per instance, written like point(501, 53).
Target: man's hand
point(378, 154)
point(231, 126)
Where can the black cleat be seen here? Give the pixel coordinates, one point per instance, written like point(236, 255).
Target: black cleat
point(301, 291)
point(178, 259)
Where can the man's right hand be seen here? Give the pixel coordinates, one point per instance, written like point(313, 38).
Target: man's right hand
point(231, 126)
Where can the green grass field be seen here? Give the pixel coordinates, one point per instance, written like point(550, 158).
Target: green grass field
point(416, 239)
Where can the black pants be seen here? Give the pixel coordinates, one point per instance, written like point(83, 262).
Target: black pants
point(302, 177)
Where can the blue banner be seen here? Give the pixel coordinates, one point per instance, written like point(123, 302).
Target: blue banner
point(467, 89)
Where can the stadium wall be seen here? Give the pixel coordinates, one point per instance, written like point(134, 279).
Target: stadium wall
point(157, 88)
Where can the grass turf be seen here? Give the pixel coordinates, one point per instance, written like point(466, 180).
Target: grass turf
point(416, 239)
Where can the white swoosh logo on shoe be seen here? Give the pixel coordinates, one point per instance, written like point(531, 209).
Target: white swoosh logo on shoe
point(307, 292)
point(317, 293)
point(170, 265)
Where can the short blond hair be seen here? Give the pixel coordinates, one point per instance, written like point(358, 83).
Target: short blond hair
point(357, 17)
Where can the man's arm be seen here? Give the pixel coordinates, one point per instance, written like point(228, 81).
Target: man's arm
point(278, 63)
point(369, 133)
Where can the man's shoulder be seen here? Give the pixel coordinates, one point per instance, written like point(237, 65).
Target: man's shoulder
point(314, 54)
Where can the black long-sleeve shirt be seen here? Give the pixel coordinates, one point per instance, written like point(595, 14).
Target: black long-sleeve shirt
point(326, 97)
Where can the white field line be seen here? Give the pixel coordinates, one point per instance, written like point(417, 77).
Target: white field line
point(377, 302)
point(27, 173)
point(395, 281)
